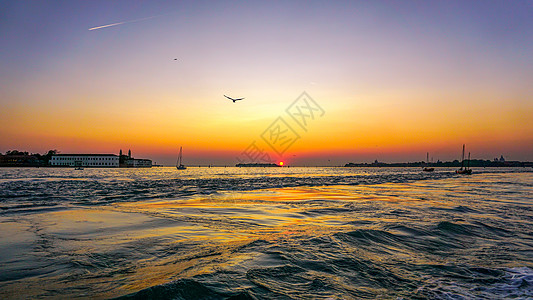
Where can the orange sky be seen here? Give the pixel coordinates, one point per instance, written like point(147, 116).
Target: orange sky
point(393, 82)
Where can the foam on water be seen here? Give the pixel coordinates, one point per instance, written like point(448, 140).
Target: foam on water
point(512, 283)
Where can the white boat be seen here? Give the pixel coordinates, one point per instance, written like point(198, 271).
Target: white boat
point(179, 164)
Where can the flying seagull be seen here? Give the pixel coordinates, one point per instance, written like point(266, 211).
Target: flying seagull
point(233, 99)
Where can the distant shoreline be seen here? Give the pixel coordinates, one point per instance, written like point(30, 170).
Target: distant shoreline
point(258, 165)
point(474, 163)
point(18, 159)
point(349, 165)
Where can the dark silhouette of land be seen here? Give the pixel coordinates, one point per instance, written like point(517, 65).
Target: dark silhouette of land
point(262, 165)
point(15, 158)
point(447, 164)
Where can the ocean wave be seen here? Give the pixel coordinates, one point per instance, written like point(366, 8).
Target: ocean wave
point(179, 289)
point(87, 191)
point(351, 236)
point(512, 283)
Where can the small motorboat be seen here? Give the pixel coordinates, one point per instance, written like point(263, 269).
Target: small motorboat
point(426, 168)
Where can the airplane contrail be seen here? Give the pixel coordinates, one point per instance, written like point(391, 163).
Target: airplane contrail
point(125, 22)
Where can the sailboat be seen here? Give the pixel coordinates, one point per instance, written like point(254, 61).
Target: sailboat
point(179, 164)
point(428, 169)
point(467, 170)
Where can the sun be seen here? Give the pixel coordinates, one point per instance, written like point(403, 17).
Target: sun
point(281, 163)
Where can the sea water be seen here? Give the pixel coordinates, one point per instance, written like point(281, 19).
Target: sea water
point(266, 233)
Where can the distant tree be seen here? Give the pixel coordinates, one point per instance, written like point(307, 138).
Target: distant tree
point(46, 158)
point(16, 152)
point(52, 152)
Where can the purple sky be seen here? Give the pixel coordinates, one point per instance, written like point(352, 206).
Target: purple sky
point(369, 64)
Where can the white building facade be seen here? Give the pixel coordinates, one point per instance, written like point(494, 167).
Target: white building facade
point(85, 160)
point(138, 163)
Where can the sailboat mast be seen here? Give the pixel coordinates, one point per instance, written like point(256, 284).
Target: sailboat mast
point(463, 157)
point(179, 163)
point(427, 157)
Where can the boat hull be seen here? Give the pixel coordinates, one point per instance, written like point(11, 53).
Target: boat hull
point(464, 172)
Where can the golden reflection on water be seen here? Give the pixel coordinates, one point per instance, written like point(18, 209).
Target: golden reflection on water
point(192, 236)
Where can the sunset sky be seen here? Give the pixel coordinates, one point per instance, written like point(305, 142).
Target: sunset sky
point(395, 79)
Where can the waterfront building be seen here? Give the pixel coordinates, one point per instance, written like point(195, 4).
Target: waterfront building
point(138, 163)
point(85, 160)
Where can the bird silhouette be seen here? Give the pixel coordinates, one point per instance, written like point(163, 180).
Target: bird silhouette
point(233, 99)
